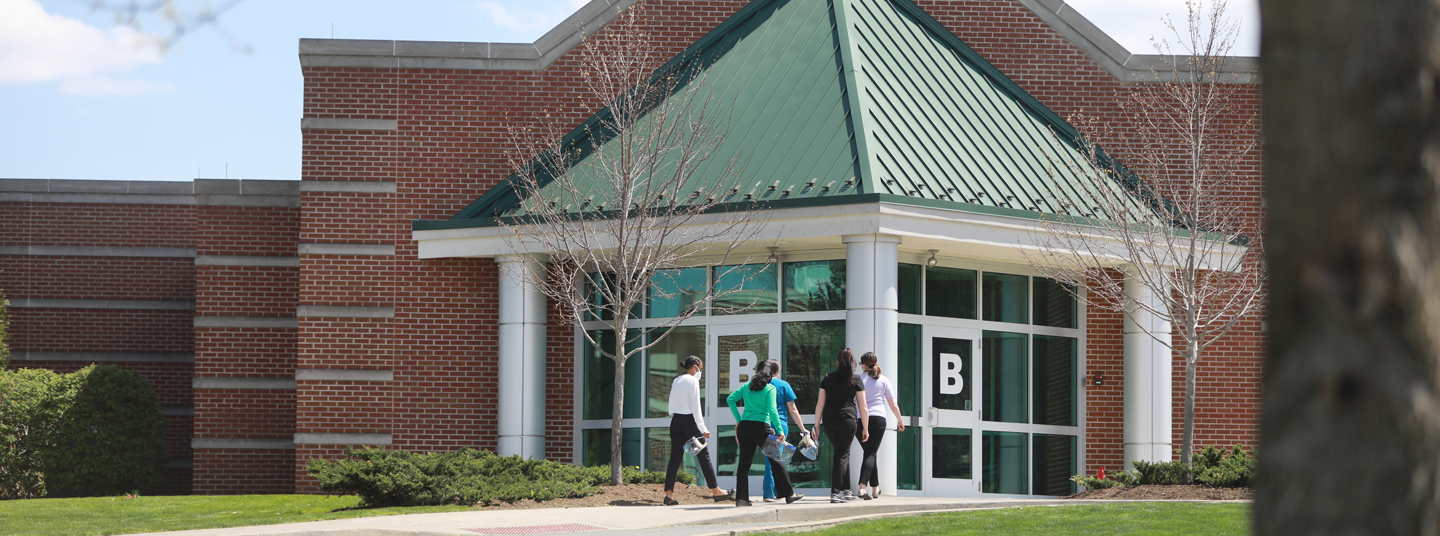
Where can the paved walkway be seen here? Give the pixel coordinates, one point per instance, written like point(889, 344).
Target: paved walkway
point(718, 520)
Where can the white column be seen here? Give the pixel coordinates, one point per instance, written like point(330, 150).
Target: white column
point(522, 358)
point(1148, 403)
point(872, 324)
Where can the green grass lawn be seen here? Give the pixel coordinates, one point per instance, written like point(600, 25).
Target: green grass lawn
point(119, 515)
point(1149, 519)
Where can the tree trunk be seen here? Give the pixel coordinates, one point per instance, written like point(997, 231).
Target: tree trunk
point(617, 418)
point(1350, 434)
point(1187, 437)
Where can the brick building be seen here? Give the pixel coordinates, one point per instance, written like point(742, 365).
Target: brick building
point(365, 303)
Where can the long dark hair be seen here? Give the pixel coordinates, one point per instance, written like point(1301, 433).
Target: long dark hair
point(764, 371)
point(689, 362)
point(845, 364)
point(870, 360)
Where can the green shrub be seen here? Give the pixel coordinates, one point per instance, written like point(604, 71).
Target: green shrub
point(30, 409)
point(96, 431)
point(1213, 467)
point(401, 478)
point(1160, 473)
point(111, 437)
point(1221, 469)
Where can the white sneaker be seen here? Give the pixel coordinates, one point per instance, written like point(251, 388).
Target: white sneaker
point(836, 498)
point(849, 496)
point(875, 493)
point(771, 499)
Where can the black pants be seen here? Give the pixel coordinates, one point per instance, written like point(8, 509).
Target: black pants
point(682, 428)
point(841, 430)
point(868, 474)
point(752, 435)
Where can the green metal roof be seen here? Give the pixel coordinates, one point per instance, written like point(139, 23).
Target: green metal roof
point(938, 122)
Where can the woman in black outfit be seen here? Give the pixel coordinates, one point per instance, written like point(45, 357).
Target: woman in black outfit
point(841, 401)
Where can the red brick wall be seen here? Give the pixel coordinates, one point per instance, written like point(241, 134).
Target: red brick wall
point(98, 278)
point(101, 225)
point(242, 471)
point(266, 231)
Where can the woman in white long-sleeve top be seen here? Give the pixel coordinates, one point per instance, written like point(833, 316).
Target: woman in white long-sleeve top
point(686, 422)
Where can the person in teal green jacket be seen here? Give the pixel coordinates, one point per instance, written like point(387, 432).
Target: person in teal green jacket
point(759, 422)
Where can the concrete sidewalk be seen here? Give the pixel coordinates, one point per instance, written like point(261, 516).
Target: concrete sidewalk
point(630, 520)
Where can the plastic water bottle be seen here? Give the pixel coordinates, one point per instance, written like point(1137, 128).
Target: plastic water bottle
point(694, 446)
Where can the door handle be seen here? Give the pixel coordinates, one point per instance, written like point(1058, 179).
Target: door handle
point(932, 417)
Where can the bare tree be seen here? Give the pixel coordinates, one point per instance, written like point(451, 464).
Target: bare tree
point(174, 20)
point(1351, 423)
point(636, 194)
point(1171, 217)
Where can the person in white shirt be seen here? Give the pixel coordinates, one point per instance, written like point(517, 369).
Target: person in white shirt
point(686, 422)
point(878, 394)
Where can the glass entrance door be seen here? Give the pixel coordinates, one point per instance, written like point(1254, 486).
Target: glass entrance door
point(949, 444)
point(731, 355)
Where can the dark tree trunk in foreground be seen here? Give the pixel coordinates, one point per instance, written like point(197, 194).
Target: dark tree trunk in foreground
point(1350, 437)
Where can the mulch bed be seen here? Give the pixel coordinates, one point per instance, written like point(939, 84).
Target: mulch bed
point(627, 495)
point(1173, 493)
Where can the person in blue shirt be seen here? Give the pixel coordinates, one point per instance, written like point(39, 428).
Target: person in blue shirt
point(785, 402)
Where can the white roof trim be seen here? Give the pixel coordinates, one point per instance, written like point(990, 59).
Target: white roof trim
point(565, 36)
point(955, 232)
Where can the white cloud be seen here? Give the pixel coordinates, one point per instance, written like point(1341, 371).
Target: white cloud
point(36, 46)
point(528, 16)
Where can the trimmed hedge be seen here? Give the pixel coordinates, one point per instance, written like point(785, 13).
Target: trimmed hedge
point(1214, 467)
point(97, 431)
point(384, 478)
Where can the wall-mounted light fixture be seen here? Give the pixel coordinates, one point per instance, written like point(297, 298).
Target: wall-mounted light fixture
point(932, 261)
point(773, 258)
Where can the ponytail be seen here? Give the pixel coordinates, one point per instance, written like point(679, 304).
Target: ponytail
point(871, 361)
point(764, 371)
point(845, 363)
point(689, 362)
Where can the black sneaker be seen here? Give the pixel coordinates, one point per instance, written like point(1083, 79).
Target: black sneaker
point(742, 502)
point(794, 498)
point(671, 502)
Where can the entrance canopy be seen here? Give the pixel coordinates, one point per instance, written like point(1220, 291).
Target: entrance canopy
point(867, 109)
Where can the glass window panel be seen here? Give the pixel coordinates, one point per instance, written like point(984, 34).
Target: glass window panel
point(908, 377)
point(1006, 298)
point(675, 292)
point(950, 292)
point(657, 455)
point(663, 364)
point(729, 455)
point(950, 453)
point(599, 388)
point(950, 386)
point(1055, 369)
point(595, 298)
point(908, 279)
point(1004, 459)
point(595, 447)
point(907, 466)
point(751, 288)
point(1054, 304)
point(809, 350)
point(1004, 369)
point(815, 286)
point(731, 352)
point(1055, 462)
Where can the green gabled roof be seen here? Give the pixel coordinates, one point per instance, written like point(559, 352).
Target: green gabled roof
point(938, 122)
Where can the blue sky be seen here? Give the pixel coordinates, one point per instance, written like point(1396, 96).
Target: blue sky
point(87, 99)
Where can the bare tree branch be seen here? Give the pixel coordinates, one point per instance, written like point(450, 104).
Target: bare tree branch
point(1170, 218)
point(639, 192)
